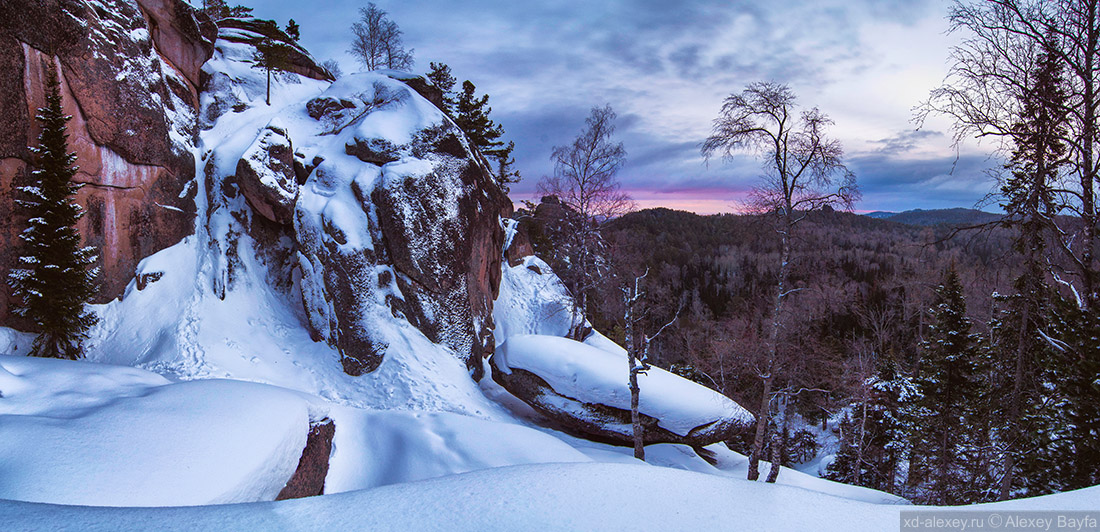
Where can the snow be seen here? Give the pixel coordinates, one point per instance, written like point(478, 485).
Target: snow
point(381, 448)
point(530, 302)
point(590, 496)
point(592, 375)
point(82, 433)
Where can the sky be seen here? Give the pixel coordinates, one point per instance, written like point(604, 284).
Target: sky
point(665, 68)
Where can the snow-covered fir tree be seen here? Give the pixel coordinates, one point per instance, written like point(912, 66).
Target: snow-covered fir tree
point(874, 433)
point(1071, 382)
point(55, 278)
point(945, 420)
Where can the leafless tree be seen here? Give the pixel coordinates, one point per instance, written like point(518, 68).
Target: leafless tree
point(637, 356)
point(377, 42)
point(803, 171)
point(333, 67)
point(584, 180)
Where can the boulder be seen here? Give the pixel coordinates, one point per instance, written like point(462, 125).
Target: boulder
point(300, 62)
point(308, 479)
point(582, 389)
point(266, 176)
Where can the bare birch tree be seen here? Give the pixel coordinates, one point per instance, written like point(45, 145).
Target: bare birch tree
point(584, 180)
point(377, 43)
point(638, 356)
point(803, 171)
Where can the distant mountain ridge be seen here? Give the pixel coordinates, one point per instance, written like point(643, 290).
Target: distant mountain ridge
point(930, 217)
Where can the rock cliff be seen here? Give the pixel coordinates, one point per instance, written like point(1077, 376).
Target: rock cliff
point(130, 74)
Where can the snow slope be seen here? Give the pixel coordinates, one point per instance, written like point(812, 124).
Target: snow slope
point(83, 433)
point(545, 497)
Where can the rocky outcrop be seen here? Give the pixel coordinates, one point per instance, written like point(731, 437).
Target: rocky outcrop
point(184, 37)
point(299, 61)
point(391, 214)
point(308, 479)
point(266, 175)
point(133, 120)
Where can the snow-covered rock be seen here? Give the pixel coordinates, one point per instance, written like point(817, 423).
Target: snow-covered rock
point(266, 175)
point(395, 216)
point(584, 389)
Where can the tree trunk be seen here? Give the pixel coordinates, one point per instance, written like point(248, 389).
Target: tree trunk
point(779, 443)
point(632, 359)
point(635, 417)
point(268, 100)
point(763, 415)
point(776, 458)
point(862, 443)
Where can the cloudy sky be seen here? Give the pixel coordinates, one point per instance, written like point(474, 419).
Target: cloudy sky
point(665, 68)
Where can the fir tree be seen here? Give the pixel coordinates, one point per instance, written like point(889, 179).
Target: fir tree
point(55, 278)
point(1072, 384)
point(875, 443)
point(472, 116)
point(440, 76)
point(949, 388)
point(219, 9)
point(293, 31)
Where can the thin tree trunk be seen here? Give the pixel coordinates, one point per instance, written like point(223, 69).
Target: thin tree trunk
point(1088, 173)
point(1015, 400)
point(862, 440)
point(776, 457)
point(632, 359)
point(763, 415)
point(779, 442)
point(635, 416)
point(761, 429)
point(268, 100)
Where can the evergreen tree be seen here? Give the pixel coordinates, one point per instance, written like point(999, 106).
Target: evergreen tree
point(55, 278)
point(1072, 381)
point(293, 31)
point(874, 444)
point(1030, 205)
point(472, 116)
point(845, 466)
point(219, 9)
point(440, 76)
point(949, 385)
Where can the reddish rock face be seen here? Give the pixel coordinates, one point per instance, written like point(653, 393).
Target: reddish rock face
point(132, 125)
point(184, 41)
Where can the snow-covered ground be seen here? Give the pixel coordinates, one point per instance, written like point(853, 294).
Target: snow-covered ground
point(589, 496)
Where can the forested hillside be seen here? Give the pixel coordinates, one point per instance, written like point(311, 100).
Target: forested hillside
point(864, 312)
